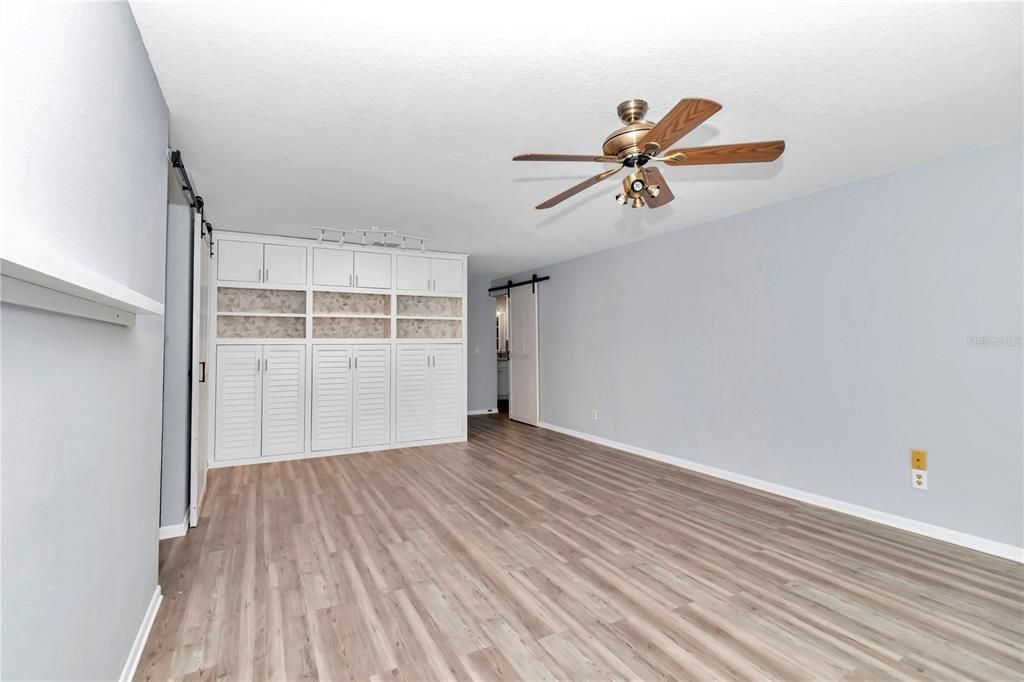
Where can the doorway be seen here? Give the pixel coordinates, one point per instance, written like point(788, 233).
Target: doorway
point(501, 347)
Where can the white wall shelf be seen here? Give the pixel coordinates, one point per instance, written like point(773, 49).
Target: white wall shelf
point(39, 278)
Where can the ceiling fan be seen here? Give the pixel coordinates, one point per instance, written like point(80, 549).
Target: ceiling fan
point(640, 142)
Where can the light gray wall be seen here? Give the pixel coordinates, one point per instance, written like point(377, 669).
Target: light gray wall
point(812, 343)
point(177, 354)
point(84, 173)
point(483, 357)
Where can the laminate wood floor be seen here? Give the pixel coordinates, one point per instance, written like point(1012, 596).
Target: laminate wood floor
point(526, 554)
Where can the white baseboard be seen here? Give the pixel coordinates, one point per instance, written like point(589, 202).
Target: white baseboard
point(489, 410)
point(140, 639)
point(174, 531)
point(955, 537)
point(214, 464)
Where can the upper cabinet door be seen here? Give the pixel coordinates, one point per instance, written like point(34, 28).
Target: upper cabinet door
point(413, 273)
point(446, 275)
point(284, 264)
point(372, 270)
point(332, 267)
point(239, 261)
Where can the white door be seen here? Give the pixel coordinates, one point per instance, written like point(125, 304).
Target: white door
point(413, 397)
point(523, 355)
point(371, 396)
point(413, 273)
point(238, 405)
point(200, 418)
point(446, 275)
point(284, 399)
point(447, 414)
point(332, 398)
point(239, 261)
point(372, 270)
point(284, 264)
point(332, 267)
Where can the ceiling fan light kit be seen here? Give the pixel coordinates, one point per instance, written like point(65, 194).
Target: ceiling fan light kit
point(639, 142)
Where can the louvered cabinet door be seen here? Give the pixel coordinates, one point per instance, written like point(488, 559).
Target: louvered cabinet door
point(446, 384)
point(284, 400)
point(332, 398)
point(413, 393)
point(371, 396)
point(238, 402)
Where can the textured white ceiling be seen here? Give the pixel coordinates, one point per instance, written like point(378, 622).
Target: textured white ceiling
point(407, 116)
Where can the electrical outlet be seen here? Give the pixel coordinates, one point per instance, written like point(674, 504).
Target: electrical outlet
point(919, 460)
point(593, 415)
point(919, 480)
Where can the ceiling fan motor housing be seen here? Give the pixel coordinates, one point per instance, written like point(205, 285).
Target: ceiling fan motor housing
point(623, 142)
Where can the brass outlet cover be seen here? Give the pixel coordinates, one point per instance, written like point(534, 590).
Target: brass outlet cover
point(919, 460)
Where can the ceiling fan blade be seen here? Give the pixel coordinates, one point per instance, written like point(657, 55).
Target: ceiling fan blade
point(654, 177)
point(744, 152)
point(565, 157)
point(575, 189)
point(684, 117)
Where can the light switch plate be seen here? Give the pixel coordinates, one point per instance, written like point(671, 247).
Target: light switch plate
point(919, 479)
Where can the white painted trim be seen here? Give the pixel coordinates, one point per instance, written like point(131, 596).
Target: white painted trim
point(34, 264)
point(489, 410)
point(955, 537)
point(175, 531)
point(215, 464)
point(128, 672)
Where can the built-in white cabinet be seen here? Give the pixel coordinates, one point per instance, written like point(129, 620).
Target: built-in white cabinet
point(351, 396)
point(260, 401)
point(333, 268)
point(372, 270)
point(284, 264)
point(430, 385)
point(427, 274)
point(238, 407)
point(332, 398)
point(240, 261)
point(446, 275)
point(324, 349)
point(284, 400)
point(345, 268)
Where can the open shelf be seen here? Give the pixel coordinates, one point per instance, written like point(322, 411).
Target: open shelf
point(356, 316)
point(349, 327)
point(37, 277)
point(351, 304)
point(429, 307)
point(261, 326)
point(427, 317)
point(422, 328)
point(256, 302)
